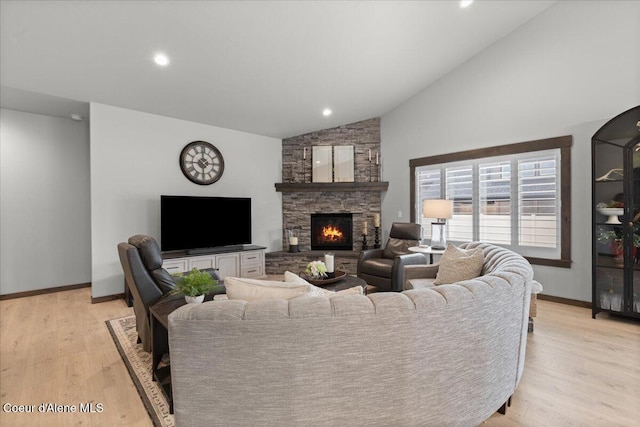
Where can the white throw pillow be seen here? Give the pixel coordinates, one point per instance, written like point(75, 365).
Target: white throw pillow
point(254, 289)
point(459, 264)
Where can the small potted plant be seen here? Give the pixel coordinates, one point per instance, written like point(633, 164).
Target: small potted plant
point(194, 285)
point(614, 239)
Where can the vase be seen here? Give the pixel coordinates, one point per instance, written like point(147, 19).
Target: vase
point(194, 300)
point(616, 302)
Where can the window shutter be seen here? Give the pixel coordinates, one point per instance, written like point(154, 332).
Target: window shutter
point(539, 203)
point(459, 188)
point(494, 180)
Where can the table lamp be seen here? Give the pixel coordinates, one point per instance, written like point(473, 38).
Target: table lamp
point(441, 210)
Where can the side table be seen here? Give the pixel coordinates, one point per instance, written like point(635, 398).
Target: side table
point(159, 313)
point(427, 250)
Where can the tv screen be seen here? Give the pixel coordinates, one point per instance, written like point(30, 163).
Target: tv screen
point(188, 222)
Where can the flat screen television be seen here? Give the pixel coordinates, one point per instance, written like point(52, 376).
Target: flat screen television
point(196, 224)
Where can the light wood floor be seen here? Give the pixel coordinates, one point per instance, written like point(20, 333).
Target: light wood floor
point(56, 348)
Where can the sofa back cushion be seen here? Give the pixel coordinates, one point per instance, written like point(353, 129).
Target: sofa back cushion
point(255, 290)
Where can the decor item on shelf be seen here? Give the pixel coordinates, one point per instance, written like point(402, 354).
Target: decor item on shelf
point(322, 169)
point(194, 285)
point(304, 164)
point(343, 157)
point(440, 210)
point(293, 241)
point(614, 239)
point(365, 245)
point(613, 174)
point(201, 162)
point(376, 226)
point(293, 244)
point(316, 270)
point(613, 210)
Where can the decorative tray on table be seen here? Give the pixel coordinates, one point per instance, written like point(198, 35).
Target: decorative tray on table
point(319, 282)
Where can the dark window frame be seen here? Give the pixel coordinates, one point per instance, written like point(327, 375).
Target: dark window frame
point(562, 142)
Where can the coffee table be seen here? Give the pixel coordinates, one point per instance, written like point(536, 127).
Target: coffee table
point(345, 283)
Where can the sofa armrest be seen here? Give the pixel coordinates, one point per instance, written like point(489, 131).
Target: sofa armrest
point(399, 264)
point(428, 271)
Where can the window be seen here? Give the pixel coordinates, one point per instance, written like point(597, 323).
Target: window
point(514, 196)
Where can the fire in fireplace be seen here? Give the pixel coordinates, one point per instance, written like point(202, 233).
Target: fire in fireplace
point(332, 231)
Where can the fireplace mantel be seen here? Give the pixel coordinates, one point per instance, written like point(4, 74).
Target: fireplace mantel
point(290, 187)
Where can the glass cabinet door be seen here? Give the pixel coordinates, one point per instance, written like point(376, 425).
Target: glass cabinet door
point(616, 216)
point(609, 227)
point(633, 296)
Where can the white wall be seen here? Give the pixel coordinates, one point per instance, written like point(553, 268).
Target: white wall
point(45, 238)
point(567, 71)
point(134, 160)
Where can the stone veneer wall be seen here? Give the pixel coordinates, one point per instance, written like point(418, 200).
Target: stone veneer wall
point(297, 207)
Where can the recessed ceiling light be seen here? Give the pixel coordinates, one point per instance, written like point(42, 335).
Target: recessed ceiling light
point(465, 3)
point(161, 59)
point(326, 112)
point(76, 117)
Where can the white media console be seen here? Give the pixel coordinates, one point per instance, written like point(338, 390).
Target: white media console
point(247, 261)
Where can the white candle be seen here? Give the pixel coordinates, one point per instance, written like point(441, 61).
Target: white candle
point(369, 154)
point(376, 220)
point(304, 153)
point(364, 228)
point(293, 240)
point(328, 261)
point(377, 158)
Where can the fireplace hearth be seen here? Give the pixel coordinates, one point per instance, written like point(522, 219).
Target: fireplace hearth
point(332, 231)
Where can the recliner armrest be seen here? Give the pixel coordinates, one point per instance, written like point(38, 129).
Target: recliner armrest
point(370, 253)
point(399, 263)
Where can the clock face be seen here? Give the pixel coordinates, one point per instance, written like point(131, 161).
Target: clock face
point(201, 162)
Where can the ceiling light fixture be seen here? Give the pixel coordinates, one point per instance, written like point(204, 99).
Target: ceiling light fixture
point(161, 59)
point(326, 112)
point(465, 3)
point(76, 117)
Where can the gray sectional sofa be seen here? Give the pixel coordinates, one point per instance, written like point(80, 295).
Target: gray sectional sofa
point(449, 355)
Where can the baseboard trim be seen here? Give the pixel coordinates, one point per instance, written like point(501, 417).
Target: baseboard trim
point(44, 291)
point(106, 298)
point(567, 301)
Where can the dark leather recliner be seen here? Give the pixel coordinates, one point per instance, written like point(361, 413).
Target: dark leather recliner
point(147, 281)
point(383, 268)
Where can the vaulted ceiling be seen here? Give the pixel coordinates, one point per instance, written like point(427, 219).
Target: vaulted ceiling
point(265, 67)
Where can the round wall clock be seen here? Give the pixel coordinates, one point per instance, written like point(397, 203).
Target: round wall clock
point(201, 162)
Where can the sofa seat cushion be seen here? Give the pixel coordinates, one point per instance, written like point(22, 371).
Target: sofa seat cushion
point(420, 283)
point(459, 264)
point(380, 267)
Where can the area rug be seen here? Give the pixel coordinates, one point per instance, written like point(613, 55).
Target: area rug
point(138, 363)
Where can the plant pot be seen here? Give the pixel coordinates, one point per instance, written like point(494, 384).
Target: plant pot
point(194, 300)
point(617, 250)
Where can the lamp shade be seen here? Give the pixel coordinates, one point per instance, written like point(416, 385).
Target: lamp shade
point(442, 209)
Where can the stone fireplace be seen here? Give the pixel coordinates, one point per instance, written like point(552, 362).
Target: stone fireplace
point(332, 231)
point(303, 199)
